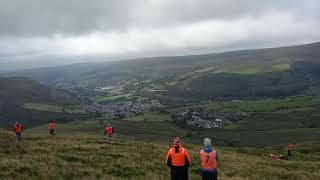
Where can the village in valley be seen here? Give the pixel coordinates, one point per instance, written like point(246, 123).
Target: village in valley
point(114, 102)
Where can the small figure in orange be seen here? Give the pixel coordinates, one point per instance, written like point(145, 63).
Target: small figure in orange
point(178, 159)
point(52, 127)
point(109, 131)
point(18, 128)
point(290, 148)
point(209, 161)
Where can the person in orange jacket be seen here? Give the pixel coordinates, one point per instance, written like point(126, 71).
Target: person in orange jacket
point(209, 161)
point(178, 159)
point(52, 127)
point(18, 128)
point(109, 131)
point(290, 148)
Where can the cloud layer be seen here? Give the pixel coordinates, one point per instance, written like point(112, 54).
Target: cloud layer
point(125, 28)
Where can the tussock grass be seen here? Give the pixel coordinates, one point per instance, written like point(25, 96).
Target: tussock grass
point(84, 156)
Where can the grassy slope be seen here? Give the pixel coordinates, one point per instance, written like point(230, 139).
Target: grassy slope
point(265, 105)
point(247, 134)
point(84, 156)
point(24, 99)
point(43, 107)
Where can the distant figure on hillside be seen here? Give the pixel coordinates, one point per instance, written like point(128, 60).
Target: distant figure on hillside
point(178, 159)
point(109, 131)
point(209, 158)
point(18, 128)
point(52, 127)
point(290, 148)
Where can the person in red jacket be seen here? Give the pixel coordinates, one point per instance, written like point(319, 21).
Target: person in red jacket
point(290, 148)
point(52, 127)
point(18, 128)
point(109, 131)
point(178, 159)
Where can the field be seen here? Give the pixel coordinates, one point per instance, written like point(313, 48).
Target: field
point(267, 105)
point(112, 98)
point(43, 107)
point(75, 109)
point(83, 156)
point(253, 132)
point(150, 117)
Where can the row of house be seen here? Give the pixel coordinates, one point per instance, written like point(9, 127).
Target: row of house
point(198, 117)
point(122, 109)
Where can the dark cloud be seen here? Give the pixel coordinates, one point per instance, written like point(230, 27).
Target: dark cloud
point(47, 17)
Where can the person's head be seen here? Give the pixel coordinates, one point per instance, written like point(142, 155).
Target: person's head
point(176, 144)
point(207, 142)
point(177, 141)
point(108, 125)
point(17, 123)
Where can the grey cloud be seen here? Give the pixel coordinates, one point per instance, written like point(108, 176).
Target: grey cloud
point(37, 29)
point(48, 17)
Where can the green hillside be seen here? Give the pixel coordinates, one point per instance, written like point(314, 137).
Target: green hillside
point(262, 129)
point(27, 101)
point(274, 72)
point(82, 156)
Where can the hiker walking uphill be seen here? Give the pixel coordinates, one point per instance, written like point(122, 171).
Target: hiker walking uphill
point(290, 148)
point(52, 127)
point(209, 158)
point(178, 159)
point(109, 131)
point(18, 128)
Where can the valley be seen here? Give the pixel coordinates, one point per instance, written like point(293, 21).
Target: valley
point(252, 103)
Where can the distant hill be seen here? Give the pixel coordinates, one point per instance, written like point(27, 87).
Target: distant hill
point(17, 92)
point(273, 72)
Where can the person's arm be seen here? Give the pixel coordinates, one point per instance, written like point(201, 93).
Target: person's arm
point(113, 131)
point(187, 162)
point(187, 156)
point(105, 131)
point(217, 156)
point(168, 159)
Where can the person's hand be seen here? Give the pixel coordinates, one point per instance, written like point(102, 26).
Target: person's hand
point(114, 134)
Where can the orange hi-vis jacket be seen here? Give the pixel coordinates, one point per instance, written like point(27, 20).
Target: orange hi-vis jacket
point(290, 146)
point(178, 159)
point(18, 128)
point(51, 126)
point(208, 160)
point(109, 130)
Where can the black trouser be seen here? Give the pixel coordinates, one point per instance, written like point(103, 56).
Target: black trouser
point(52, 131)
point(179, 173)
point(209, 175)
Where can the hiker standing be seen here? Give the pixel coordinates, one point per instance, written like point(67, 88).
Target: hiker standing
point(178, 159)
point(209, 158)
point(109, 131)
point(18, 128)
point(52, 127)
point(290, 148)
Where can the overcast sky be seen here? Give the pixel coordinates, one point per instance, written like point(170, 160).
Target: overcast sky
point(115, 29)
